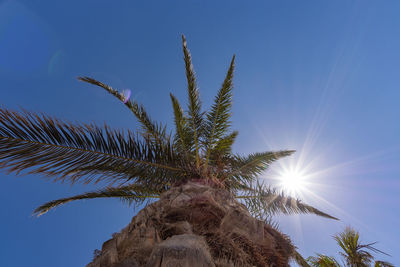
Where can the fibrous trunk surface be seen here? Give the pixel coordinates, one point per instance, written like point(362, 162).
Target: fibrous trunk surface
point(195, 225)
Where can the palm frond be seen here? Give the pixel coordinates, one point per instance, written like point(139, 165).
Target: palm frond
point(271, 221)
point(263, 201)
point(246, 169)
point(299, 259)
point(218, 123)
point(195, 115)
point(223, 147)
point(371, 248)
point(132, 194)
point(151, 129)
point(323, 261)
point(183, 140)
point(383, 264)
point(63, 150)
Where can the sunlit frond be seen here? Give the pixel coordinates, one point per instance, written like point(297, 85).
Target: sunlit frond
point(263, 201)
point(247, 169)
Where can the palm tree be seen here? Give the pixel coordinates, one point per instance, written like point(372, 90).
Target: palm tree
point(353, 252)
point(140, 166)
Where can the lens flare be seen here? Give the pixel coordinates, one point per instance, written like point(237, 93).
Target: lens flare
point(126, 94)
point(292, 182)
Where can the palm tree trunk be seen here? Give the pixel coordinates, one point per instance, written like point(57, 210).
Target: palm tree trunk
point(195, 225)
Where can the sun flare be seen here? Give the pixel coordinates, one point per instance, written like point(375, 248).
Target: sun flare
point(292, 182)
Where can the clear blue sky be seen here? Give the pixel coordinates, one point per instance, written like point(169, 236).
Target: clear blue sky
point(321, 77)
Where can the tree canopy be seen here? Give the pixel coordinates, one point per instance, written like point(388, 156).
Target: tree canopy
point(136, 166)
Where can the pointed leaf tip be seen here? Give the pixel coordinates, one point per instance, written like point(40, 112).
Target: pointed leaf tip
point(183, 40)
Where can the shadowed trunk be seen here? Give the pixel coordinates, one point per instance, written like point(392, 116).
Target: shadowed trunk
point(195, 225)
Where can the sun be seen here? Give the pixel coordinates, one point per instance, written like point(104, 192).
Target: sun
point(292, 182)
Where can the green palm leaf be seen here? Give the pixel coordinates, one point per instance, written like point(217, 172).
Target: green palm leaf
point(58, 149)
point(195, 115)
point(223, 147)
point(218, 118)
point(151, 128)
point(183, 139)
point(323, 261)
point(299, 259)
point(132, 194)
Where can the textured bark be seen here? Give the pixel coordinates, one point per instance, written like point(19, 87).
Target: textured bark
point(195, 225)
point(186, 250)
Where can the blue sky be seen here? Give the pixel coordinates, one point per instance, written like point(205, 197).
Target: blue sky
point(321, 77)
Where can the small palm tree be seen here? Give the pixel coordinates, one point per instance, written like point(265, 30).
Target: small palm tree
point(353, 252)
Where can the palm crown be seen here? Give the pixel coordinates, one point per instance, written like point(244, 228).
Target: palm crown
point(354, 253)
point(139, 166)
